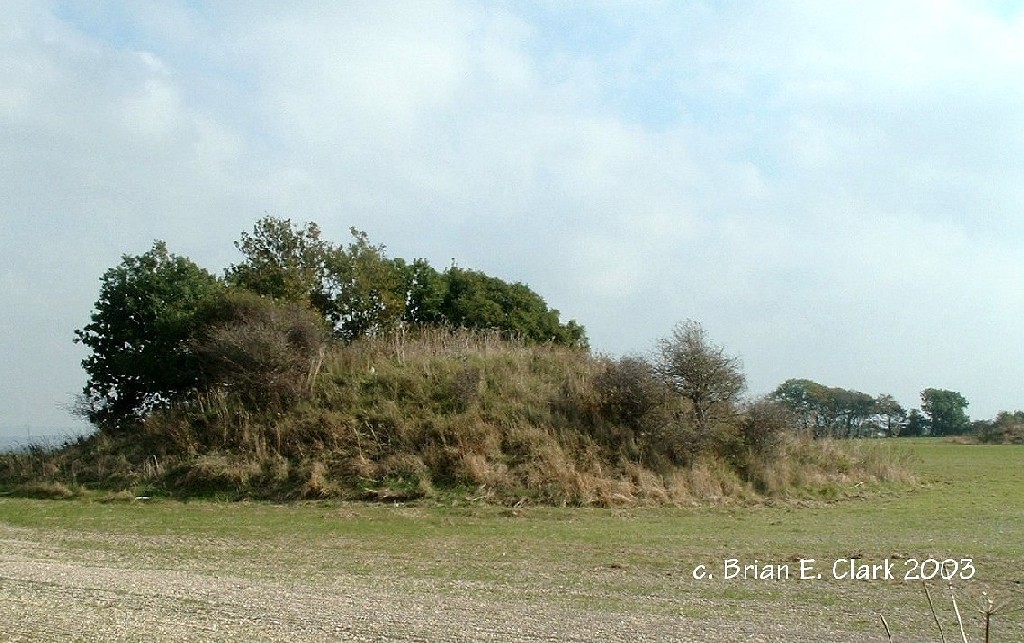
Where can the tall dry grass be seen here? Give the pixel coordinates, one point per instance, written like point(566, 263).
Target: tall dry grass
point(437, 413)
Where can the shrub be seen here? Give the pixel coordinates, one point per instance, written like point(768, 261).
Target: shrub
point(763, 425)
point(266, 353)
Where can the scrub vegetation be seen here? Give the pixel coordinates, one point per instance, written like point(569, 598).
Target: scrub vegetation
point(314, 370)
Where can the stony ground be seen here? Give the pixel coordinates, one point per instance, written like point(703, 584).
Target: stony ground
point(63, 586)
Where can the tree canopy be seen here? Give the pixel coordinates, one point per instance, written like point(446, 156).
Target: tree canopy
point(164, 327)
point(946, 411)
point(701, 372)
point(145, 314)
point(361, 291)
point(837, 412)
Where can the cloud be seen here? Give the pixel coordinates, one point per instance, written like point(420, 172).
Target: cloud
point(833, 189)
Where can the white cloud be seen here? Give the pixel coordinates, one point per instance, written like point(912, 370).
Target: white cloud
point(808, 179)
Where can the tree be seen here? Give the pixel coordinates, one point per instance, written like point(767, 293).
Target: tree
point(917, 424)
point(850, 410)
point(1007, 427)
point(426, 289)
point(702, 373)
point(145, 313)
point(283, 261)
point(945, 411)
point(838, 412)
point(360, 291)
point(366, 292)
point(475, 300)
point(807, 400)
point(357, 289)
point(763, 425)
point(890, 413)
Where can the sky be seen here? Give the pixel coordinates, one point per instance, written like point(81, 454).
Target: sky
point(832, 189)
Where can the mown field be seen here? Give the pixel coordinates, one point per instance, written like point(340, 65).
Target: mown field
point(165, 570)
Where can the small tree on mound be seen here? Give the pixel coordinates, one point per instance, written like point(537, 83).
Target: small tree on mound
point(702, 373)
point(146, 311)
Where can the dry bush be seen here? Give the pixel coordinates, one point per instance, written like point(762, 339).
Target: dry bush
point(477, 470)
point(266, 353)
point(214, 473)
point(763, 425)
point(629, 391)
point(317, 482)
point(711, 480)
point(50, 490)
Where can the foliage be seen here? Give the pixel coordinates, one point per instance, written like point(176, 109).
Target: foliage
point(764, 425)
point(701, 373)
point(1006, 428)
point(361, 291)
point(917, 424)
point(366, 291)
point(149, 323)
point(840, 413)
point(283, 261)
point(475, 300)
point(145, 313)
point(265, 352)
point(630, 392)
point(426, 289)
point(946, 411)
point(425, 413)
point(439, 381)
point(890, 413)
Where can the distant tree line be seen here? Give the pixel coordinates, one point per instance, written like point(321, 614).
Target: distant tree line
point(824, 411)
point(163, 327)
point(1006, 428)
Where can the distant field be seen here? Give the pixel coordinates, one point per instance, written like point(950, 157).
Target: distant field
point(10, 443)
point(128, 570)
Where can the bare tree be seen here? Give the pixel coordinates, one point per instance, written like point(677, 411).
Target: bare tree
point(701, 372)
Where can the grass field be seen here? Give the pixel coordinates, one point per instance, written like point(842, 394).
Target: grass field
point(468, 572)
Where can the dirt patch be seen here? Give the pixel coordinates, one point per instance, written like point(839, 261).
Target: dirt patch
point(52, 593)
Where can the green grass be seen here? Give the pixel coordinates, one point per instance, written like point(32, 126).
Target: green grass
point(638, 560)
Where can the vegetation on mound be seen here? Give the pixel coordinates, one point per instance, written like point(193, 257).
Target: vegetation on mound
point(439, 413)
point(312, 370)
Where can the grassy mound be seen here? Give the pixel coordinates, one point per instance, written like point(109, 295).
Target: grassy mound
point(440, 414)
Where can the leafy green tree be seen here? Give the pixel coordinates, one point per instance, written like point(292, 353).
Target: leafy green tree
point(946, 411)
point(356, 288)
point(283, 261)
point(426, 289)
point(702, 373)
point(917, 424)
point(145, 313)
point(850, 410)
point(838, 412)
point(806, 399)
point(475, 300)
point(891, 415)
point(366, 292)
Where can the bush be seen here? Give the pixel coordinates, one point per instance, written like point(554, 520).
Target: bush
point(763, 426)
point(265, 353)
